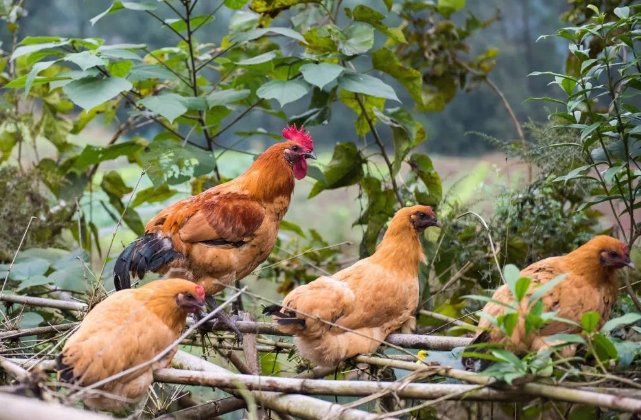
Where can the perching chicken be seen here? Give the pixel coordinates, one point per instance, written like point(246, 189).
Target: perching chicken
point(374, 297)
point(128, 328)
point(590, 285)
point(224, 233)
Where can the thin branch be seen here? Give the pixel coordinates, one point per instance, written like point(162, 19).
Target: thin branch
point(207, 410)
point(48, 303)
point(17, 407)
point(381, 146)
point(445, 318)
point(150, 13)
point(37, 330)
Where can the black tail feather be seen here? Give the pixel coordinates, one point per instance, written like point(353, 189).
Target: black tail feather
point(271, 309)
point(473, 363)
point(291, 321)
point(147, 253)
point(65, 372)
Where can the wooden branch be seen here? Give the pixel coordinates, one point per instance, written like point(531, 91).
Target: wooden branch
point(49, 303)
point(415, 341)
point(296, 405)
point(44, 364)
point(445, 318)
point(37, 330)
point(557, 392)
point(207, 410)
point(13, 369)
point(330, 387)
point(15, 407)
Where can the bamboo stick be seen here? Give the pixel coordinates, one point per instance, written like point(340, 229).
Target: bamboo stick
point(49, 303)
point(296, 405)
point(207, 410)
point(557, 392)
point(15, 407)
point(37, 330)
point(330, 387)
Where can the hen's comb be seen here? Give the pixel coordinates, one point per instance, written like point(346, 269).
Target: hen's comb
point(301, 136)
point(200, 291)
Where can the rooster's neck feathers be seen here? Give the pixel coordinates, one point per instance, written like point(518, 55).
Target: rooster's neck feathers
point(269, 177)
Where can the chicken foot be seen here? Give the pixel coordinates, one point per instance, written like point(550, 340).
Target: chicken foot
point(223, 318)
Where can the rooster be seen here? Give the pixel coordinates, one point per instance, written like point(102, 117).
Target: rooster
point(373, 297)
point(222, 234)
point(127, 329)
point(590, 284)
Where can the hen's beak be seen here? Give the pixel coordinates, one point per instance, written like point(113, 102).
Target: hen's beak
point(310, 155)
point(630, 264)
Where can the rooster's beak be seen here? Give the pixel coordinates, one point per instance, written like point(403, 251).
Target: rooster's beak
point(310, 155)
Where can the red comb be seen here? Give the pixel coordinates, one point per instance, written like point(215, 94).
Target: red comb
point(301, 136)
point(625, 249)
point(200, 291)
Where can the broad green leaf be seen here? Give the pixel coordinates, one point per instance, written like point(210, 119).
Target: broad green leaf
point(508, 321)
point(27, 268)
point(367, 85)
point(33, 73)
point(119, 5)
point(366, 14)
point(564, 338)
point(92, 155)
point(291, 227)
point(622, 12)
point(447, 7)
point(411, 79)
point(422, 166)
point(168, 162)
point(507, 357)
point(73, 276)
point(226, 97)
point(180, 25)
point(364, 107)
point(235, 4)
point(345, 168)
point(543, 289)
point(30, 320)
point(8, 139)
point(150, 71)
point(604, 347)
point(257, 33)
point(85, 60)
point(31, 48)
point(33, 281)
point(521, 287)
point(119, 68)
point(92, 91)
point(169, 105)
point(284, 91)
point(620, 321)
point(153, 195)
point(358, 39)
point(321, 74)
point(590, 321)
point(259, 59)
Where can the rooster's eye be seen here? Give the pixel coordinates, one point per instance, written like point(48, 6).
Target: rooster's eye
point(295, 148)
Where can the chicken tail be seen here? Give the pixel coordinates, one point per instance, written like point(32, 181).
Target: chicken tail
point(284, 317)
point(147, 253)
point(473, 363)
point(64, 372)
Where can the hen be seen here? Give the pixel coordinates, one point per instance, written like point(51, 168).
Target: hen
point(373, 297)
point(224, 233)
point(590, 284)
point(128, 328)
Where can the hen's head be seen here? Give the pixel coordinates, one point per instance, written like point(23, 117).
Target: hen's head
point(419, 217)
point(612, 252)
point(186, 295)
point(298, 148)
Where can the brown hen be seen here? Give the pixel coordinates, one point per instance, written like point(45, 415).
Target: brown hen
point(373, 297)
point(590, 284)
point(128, 328)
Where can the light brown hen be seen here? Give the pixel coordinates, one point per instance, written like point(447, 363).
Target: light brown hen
point(373, 297)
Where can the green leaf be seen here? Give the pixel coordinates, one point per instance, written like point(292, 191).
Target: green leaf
point(150, 71)
point(358, 39)
point(119, 5)
point(345, 168)
point(447, 7)
point(366, 14)
point(411, 79)
point(543, 289)
point(72, 276)
point(113, 183)
point(153, 195)
point(226, 97)
point(291, 227)
point(620, 321)
point(321, 74)
point(85, 60)
point(367, 85)
point(257, 33)
point(423, 167)
point(34, 281)
point(30, 320)
point(235, 4)
point(33, 73)
point(120, 68)
point(259, 59)
point(92, 91)
point(507, 357)
point(29, 268)
point(92, 155)
point(590, 321)
point(521, 287)
point(622, 12)
point(30, 48)
point(167, 161)
point(508, 321)
point(284, 91)
point(180, 25)
point(565, 338)
point(604, 347)
point(364, 112)
point(169, 105)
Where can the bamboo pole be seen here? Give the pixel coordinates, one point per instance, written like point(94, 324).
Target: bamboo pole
point(556, 392)
point(297, 405)
point(49, 303)
point(15, 407)
point(421, 391)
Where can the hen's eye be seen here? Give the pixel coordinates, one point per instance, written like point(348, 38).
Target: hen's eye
point(189, 296)
point(421, 214)
point(613, 254)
